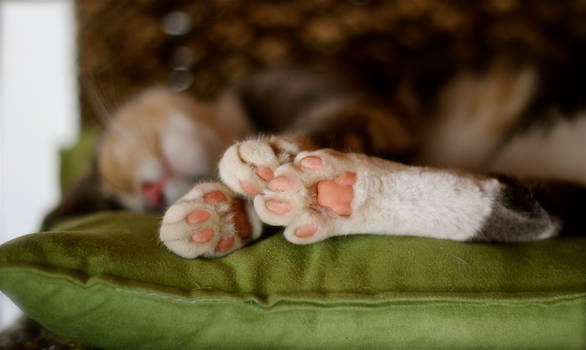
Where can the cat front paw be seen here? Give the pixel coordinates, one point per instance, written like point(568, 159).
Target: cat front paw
point(209, 221)
point(248, 166)
point(313, 196)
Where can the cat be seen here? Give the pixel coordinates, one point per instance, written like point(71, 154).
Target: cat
point(317, 153)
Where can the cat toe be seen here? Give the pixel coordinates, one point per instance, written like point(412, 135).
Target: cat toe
point(309, 227)
point(214, 197)
point(225, 245)
point(202, 236)
point(274, 211)
point(280, 184)
point(264, 173)
point(197, 216)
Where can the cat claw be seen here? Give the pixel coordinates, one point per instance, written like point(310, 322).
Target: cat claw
point(209, 221)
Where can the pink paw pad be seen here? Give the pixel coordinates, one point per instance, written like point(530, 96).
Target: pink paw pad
point(246, 186)
point(264, 173)
point(197, 216)
point(225, 244)
point(305, 231)
point(278, 207)
point(280, 184)
point(214, 197)
point(202, 236)
point(338, 194)
point(311, 162)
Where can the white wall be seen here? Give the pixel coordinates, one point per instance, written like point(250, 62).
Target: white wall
point(38, 113)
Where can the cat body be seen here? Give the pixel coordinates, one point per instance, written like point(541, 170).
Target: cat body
point(162, 143)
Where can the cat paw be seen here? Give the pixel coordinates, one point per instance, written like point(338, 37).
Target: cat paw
point(248, 166)
point(313, 196)
point(209, 221)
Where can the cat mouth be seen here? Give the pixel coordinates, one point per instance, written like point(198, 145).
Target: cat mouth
point(153, 193)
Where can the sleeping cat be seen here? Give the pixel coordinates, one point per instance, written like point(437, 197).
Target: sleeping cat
point(322, 171)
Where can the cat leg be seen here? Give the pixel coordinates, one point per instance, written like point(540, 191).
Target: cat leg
point(325, 193)
point(209, 221)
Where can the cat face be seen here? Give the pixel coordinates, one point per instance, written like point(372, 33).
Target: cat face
point(156, 148)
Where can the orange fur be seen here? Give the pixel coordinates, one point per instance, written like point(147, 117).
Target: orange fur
point(134, 136)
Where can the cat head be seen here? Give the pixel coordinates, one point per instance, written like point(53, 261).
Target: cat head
point(152, 151)
point(157, 147)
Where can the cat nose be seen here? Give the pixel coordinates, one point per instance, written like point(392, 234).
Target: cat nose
point(153, 193)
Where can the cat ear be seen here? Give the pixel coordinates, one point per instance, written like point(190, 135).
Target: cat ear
point(85, 197)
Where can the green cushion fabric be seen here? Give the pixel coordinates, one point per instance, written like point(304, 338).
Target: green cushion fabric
point(106, 281)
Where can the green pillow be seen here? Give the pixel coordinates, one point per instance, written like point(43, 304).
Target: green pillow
point(106, 281)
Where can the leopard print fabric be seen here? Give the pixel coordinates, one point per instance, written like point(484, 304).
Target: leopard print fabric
point(202, 46)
